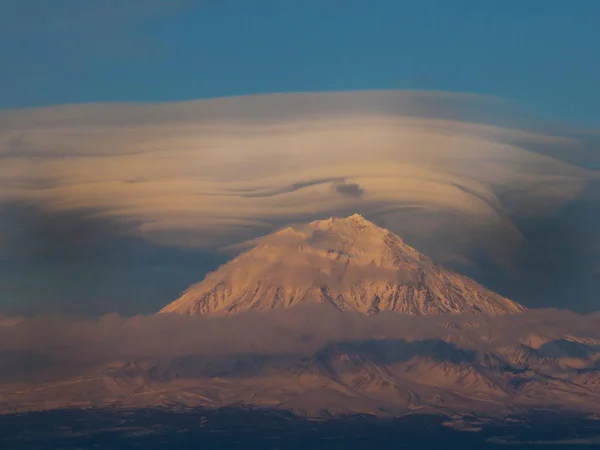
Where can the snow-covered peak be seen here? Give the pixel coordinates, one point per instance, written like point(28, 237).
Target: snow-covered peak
point(354, 239)
point(348, 262)
point(354, 222)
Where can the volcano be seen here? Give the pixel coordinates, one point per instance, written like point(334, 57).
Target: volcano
point(350, 263)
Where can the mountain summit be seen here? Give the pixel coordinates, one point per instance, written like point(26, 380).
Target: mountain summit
point(350, 263)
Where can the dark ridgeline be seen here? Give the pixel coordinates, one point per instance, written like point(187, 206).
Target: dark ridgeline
point(249, 428)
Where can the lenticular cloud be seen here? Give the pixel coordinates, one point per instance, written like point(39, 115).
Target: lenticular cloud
point(213, 173)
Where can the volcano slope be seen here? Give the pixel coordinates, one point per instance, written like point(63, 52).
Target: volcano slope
point(335, 317)
point(350, 263)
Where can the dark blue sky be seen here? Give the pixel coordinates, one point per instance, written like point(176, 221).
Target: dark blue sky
point(542, 53)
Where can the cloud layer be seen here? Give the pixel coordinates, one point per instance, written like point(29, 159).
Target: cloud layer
point(209, 174)
point(58, 342)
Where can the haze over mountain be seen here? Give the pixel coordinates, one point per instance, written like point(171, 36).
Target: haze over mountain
point(349, 263)
point(312, 360)
point(334, 317)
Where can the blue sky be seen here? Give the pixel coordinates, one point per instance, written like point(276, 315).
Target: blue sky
point(544, 54)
